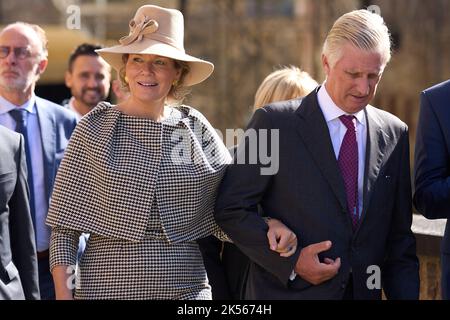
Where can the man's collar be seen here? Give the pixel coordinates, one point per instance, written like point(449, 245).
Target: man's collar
point(331, 111)
point(71, 106)
point(6, 106)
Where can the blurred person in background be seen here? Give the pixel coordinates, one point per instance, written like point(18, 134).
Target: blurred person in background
point(284, 84)
point(120, 92)
point(88, 77)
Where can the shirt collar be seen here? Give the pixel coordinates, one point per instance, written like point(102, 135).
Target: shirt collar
point(70, 103)
point(331, 111)
point(6, 106)
point(71, 106)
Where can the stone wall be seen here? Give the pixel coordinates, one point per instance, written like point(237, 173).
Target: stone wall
point(429, 235)
point(430, 275)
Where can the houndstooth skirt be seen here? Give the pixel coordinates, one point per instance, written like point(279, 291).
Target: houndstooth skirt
point(149, 269)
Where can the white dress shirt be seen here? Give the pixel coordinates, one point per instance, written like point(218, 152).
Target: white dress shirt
point(337, 130)
point(70, 106)
point(37, 156)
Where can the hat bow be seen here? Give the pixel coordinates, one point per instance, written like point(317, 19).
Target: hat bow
point(139, 30)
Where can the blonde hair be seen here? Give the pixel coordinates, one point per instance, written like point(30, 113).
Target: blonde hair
point(284, 84)
point(361, 28)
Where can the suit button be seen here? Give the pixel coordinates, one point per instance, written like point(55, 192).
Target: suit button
point(343, 285)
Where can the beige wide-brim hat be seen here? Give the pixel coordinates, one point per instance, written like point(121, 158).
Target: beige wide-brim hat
point(159, 31)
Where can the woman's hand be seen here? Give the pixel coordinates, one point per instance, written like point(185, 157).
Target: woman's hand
point(281, 238)
point(62, 279)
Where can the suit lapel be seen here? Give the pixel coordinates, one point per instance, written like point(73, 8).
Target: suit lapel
point(375, 153)
point(47, 129)
point(313, 130)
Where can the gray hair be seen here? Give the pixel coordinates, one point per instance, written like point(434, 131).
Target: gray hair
point(361, 28)
point(40, 35)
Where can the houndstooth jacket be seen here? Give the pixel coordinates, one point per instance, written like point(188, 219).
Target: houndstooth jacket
point(101, 188)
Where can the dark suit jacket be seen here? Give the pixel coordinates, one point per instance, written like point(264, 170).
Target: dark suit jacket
point(432, 164)
point(18, 265)
point(308, 195)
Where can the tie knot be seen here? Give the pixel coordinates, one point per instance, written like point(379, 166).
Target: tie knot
point(19, 115)
point(348, 121)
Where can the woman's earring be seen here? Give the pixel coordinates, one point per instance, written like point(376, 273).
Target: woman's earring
point(175, 83)
point(126, 79)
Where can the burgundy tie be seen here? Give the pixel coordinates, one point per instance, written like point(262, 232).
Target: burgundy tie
point(348, 163)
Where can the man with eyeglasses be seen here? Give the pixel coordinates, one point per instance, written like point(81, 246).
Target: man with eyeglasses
point(45, 126)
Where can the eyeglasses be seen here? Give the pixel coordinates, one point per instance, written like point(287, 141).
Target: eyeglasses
point(19, 52)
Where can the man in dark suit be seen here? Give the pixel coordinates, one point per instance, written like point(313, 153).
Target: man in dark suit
point(432, 190)
point(339, 178)
point(18, 265)
point(45, 126)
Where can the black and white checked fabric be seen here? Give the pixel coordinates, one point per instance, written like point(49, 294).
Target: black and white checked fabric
point(145, 191)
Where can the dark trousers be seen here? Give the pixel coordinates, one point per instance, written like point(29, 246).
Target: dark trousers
point(46, 285)
point(211, 249)
point(445, 276)
point(226, 267)
point(236, 265)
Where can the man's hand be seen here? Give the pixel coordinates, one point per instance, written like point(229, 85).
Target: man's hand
point(281, 238)
point(311, 269)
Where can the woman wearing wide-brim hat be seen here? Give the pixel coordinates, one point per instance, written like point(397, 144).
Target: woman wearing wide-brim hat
point(140, 177)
